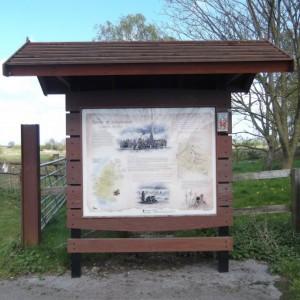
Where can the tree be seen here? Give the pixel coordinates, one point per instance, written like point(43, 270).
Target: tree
point(52, 144)
point(274, 102)
point(132, 27)
point(11, 144)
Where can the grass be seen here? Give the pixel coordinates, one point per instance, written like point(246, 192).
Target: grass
point(51, 256)
point(9, 218)
point(14, 154)
point(255, 193)
point(258, 165)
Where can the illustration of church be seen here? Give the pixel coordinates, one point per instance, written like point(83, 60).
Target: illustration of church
point(145, 141)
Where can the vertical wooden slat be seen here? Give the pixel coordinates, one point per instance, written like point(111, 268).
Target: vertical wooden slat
point(224, 170)
point(73, 124)
point(73, 148)
point(31, 207)
point(224, 146)
point(74, 172)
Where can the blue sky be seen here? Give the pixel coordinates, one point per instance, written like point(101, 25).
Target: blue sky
point(64, 20)
point(21, 98)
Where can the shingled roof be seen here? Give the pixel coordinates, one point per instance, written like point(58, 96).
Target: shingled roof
point(146, 58)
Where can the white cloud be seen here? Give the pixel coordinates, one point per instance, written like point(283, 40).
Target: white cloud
point(22, 102)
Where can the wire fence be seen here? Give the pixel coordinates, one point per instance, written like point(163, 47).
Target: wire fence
point(10, 182)
point(52, 183)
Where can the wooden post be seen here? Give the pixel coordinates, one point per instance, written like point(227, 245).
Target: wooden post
point(31, 196)
point(223, 256)
point(295, 182)
point(75, 257)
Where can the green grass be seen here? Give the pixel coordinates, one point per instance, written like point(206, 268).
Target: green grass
point(50, 256)
point(243, 166)
point(247, 166)
point(254, 193)
point(9, 218)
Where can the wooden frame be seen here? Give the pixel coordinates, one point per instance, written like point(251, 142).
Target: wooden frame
point(30, 180)
point(145, 98)
point(77, 101)
point(119, 245)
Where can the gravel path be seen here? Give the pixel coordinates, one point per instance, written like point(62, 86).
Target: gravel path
point(246, 280)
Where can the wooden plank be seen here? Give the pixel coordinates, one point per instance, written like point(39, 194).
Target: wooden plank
point(74, 172)
point(224, 194)
point(268, 209)
point(224, 170)
point(161, 68)
point(30, 181)
point(73, 148)
point(224, 146)
point(262, 175)
point(127, 245)
point(76, 101)
point(136, 58)
point(74, 195)
point(141, 224)
point(73, 124)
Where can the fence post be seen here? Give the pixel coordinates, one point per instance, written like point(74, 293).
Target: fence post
point(31, 195)
point(295, 180)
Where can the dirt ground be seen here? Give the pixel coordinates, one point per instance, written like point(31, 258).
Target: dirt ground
point(201, 280)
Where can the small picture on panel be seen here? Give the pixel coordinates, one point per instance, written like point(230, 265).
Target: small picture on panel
point(222, 121)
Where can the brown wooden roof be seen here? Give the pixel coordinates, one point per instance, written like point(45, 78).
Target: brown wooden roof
point(77, 58)
point(67, 66)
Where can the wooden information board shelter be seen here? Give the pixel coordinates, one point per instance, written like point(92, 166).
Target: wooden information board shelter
point(116, 79)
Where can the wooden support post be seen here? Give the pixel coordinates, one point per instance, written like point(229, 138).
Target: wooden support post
point(295, 180)
point(223, 256)
point(75, 257)
point(31, 199)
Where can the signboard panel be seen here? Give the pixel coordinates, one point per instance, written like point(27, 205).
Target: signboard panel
point(148, 162)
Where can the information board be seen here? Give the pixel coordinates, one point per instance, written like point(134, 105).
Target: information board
point(148, 162)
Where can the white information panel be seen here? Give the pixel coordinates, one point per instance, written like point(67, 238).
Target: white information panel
point(149, 162)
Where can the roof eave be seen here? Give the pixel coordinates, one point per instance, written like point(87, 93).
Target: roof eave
point(229, 67)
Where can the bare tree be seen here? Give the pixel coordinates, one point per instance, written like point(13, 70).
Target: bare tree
point(273, 105)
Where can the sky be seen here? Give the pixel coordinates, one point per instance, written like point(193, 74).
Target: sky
point(21, 98)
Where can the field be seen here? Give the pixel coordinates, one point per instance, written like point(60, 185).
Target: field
point(267, 237)
point(14, 154)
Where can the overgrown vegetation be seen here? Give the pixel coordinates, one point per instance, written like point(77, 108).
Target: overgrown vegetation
point(270, 238)
point(50, 256)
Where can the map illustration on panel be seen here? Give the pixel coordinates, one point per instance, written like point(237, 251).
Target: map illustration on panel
point(148, 162)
